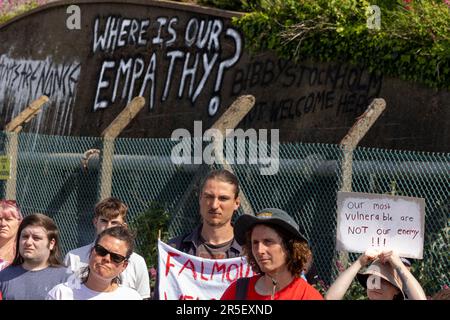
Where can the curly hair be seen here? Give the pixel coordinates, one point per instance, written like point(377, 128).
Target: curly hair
point(297, 251)
point(444, 294)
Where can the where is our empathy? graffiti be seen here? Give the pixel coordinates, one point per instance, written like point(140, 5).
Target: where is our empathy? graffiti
point(198, 56)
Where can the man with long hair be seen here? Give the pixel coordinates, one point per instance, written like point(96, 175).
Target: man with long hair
point(214, 237)
point(37, 266)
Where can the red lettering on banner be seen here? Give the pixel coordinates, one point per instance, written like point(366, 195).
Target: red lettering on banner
point(186, 297)
point(168, 264)
point(249, 268)
point(202, 277)
point(191, 267)
point(220, 268)
point(229, 270)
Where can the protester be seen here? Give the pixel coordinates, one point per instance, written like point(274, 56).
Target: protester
point(37, 266)
point(443, 294)
point(214, 237)
point(278, 254)
point(108, 213)
point(387, 278)
point(100, 280)
point(10, 218)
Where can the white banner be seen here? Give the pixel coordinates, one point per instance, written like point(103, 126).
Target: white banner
point(379, 221)
point(186, 277)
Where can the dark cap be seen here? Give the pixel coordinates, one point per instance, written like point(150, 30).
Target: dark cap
point(269, 216)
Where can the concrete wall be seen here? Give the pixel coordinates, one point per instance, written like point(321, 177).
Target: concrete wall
point(190, 64)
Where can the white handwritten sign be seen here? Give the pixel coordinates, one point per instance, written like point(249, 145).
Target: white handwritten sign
point(186, 277)
point(378, 221)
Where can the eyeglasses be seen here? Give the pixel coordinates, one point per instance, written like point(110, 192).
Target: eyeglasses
point(115, 257)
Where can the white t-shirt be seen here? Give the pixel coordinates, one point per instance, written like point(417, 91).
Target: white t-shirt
point(64, 291)
point(134, 276)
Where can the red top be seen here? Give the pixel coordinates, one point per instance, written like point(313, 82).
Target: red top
point(298, 289)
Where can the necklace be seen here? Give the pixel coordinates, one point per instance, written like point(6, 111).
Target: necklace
point(264, 290)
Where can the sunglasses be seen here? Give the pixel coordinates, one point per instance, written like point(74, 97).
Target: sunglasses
point(115, 257)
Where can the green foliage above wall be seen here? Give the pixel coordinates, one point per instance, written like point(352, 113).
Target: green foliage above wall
point(413, 42)
point(10, 9)
point(235, 5)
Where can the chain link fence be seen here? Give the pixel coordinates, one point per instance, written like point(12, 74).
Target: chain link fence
point(55, 177)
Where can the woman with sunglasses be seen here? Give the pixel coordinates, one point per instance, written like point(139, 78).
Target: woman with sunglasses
point(100, 279)
point(10, 218)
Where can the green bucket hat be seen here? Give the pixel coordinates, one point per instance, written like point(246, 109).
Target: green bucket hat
point(268, 216)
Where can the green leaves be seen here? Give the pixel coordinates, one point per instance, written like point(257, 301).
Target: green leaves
point(412, 44)
point(10, 10)
point(147, 225)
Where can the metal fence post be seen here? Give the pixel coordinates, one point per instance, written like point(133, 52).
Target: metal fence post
point(11, 151)
point(13, 128)
point(228, 120)
point(349, 143)
point(109, 135)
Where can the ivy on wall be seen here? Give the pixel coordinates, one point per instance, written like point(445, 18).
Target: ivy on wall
point(11, 8)
point(412, 42)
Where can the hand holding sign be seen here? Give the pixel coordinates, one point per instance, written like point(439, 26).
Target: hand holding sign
point(391, 257)
point(368, 256)
point(380, 222)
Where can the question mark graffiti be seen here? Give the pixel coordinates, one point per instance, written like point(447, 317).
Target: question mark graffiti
point(214, 103)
